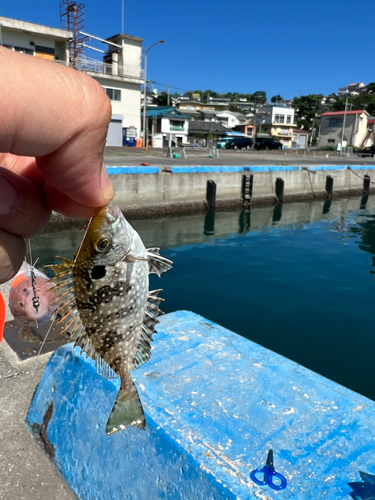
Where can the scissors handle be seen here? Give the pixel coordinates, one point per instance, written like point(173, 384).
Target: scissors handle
point(268, 478)
point(260, 472)
point(281, 482)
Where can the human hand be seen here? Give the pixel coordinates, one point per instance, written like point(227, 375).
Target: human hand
point(53, 127)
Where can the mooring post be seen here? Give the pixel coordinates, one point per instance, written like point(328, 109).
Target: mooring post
point(211, 194)
point(366, 184)
point(279, 189)
point(329, 185)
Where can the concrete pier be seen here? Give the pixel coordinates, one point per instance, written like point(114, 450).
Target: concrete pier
point(214, 403)
point(154, 189)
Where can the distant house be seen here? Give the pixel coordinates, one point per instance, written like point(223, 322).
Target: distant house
point(193, 105)
point(246, 128)
point(168, 126)
point(206, 131)
point(119, 72)
point(280, 123)
point(353, 90)
point(229, 118)
point(355, 132)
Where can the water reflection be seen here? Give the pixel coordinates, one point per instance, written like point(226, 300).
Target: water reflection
point(209, 223)
point(277, 213)
point(363, 203)
point(327, 206)
point(244, 220)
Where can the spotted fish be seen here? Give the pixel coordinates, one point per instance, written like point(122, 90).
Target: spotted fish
point(106, 305)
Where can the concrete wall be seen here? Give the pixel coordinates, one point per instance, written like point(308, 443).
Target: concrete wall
point(188, 184)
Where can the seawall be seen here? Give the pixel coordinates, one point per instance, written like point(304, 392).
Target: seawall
point(153, 190)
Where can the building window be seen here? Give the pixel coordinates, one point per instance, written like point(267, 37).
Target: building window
point(250, 132)
point(22, 50)
point(279, 118)
point(113, 94)
point(335, 122)
point(288, 118)
point(176, 125)
point(331, 141)
point(284, 131)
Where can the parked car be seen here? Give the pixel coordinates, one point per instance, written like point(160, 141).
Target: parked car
point(369, 151)
point(239, 143)
point(267, 143)
point(221, 142)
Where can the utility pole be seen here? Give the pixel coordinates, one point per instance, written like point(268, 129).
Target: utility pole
point(343, 125)
point(169, 87)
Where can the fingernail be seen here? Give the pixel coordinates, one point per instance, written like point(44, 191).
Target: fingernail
point(10, 197)
point(106, 185)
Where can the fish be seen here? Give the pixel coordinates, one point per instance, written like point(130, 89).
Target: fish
point(105, 303)
point(31, 303)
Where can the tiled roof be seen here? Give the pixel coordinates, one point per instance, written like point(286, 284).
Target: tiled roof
point(200, 126)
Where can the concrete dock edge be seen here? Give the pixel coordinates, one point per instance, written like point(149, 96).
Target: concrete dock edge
point(215, 403)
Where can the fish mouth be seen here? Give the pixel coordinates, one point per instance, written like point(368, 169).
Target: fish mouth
point(110, 213)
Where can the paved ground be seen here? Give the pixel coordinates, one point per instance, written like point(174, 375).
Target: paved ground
point(26, 473)
point(200, 156)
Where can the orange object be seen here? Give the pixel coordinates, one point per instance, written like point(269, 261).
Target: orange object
point(2, 316)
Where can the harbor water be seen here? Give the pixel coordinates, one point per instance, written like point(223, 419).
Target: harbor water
point(296, 278)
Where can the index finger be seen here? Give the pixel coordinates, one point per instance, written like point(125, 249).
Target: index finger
point(60, 116)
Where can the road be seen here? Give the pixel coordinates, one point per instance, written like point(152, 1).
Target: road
point(200, 156)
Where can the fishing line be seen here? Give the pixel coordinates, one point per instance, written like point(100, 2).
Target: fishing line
point(34, 365)
point(25, 389)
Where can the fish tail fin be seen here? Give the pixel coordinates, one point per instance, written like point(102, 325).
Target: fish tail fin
point(126, 411)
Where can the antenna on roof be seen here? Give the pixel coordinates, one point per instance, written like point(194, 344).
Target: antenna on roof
point(122, 18)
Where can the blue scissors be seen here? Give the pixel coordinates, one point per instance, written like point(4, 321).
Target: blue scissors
point(268, 475)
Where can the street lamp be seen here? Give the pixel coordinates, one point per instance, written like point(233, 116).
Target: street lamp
point(145, 145)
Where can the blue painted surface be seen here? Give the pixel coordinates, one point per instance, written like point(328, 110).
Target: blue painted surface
point(133, 170)
point(215, 403)
point(283, 169)
point(223, 169)
point(211, 169)
point(184, 170)
point(256, 169)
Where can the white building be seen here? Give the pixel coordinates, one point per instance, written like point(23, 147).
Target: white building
point(119, 73)
point(168, 126)
point(279, 123)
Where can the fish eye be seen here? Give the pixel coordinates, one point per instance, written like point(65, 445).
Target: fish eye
point(103, 243)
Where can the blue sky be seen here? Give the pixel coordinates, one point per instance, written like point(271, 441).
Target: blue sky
point(287, 48)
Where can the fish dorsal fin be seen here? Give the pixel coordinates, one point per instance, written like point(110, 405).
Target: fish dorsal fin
point(69, 317)
point(157, 264)
point(148, 328)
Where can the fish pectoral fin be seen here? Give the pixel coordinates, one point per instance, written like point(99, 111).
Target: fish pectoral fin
point(127, 411)
point(156, 263)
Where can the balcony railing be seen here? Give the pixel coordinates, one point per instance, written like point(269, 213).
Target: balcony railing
point(95, 66)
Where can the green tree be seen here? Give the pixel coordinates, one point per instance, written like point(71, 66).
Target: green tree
point(260, 96)
point(276, 98)
point(307, 110)
point(162, 99)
